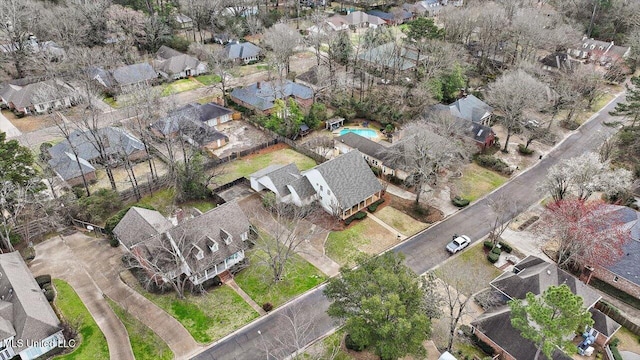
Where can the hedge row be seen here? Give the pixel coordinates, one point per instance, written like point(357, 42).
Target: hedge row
point(493, 257)
point(357, 216)
point(505, 247)
point(493, 163)
point(373, 207)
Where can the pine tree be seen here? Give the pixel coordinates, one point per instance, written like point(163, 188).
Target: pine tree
point(631, 107)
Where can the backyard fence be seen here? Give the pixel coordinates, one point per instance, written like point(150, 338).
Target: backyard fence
point(33, 229)
point(617, 316)
point(89, 226)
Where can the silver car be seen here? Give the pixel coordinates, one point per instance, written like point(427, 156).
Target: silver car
point(458, 243)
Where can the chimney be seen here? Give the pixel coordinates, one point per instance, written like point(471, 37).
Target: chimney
point(258, 84)
point(180, 215)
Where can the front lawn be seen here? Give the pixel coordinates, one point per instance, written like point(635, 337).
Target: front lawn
point(208, 79)
point(257, 279)
point(400, 221)
point(179, 86)
point(144, 342)
point(111, 102)
point(207, 317)
point(477, 181)
point(363, 237)
point(250, 164)
point(472, 261)
point(93, 344)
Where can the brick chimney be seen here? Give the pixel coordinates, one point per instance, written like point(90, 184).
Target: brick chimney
point(258, 85)
point(180, 215)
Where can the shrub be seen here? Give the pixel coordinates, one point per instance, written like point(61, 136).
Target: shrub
point(98, 206)
point(373, 207)
point(460, 202)
point(488, 244)
point(43, 279)
point(493, 163)
point(493, 257)
point(267, 306)
point(50, 295)
point(269, 200)
point(614, 342)
point(524, 150)
point(496, 250)
point(506, 247)
point(357, 216)
point(482, 345)
point(351, 345)
point(113, 241)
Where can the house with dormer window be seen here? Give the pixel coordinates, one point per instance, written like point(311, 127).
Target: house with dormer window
point(206, 245)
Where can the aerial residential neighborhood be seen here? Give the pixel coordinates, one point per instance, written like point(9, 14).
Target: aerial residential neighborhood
point(306, 179)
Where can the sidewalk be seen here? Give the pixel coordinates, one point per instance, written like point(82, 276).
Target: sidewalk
point(232, 284)
point(388, 227)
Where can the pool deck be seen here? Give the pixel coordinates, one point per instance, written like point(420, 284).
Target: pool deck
point(377, 138)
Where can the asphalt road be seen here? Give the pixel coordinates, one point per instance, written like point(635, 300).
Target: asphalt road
point(423, 251)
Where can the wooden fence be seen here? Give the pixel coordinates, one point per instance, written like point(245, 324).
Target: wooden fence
point(89, 226)
point(33, 229)
point(617, 316)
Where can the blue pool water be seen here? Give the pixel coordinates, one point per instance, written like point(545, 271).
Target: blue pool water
point(368, 133)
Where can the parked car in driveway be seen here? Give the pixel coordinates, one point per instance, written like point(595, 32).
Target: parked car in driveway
point(458, 243)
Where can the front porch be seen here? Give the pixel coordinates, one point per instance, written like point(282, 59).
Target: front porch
point(361, 205)
point(217, 269)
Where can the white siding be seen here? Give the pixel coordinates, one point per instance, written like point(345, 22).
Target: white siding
point(317, 181)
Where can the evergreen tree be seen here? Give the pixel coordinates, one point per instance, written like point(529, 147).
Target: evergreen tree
point(549, 320)
point(631, 107)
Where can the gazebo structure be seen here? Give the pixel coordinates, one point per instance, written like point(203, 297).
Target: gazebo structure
point(334, 123)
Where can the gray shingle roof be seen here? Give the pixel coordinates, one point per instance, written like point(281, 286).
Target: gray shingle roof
point(302, 187)
point(627, 266)
point(470, 108)
point(536, 275)
point(242, 50)
point(140, 224)
point(603, 323)
point(262, 95)
point(133, 74)
point(32, 317)
point(117, 141)
point(497, 326)
point(350, 178)
point(171, 61)
point(269, 169)
point(363, 144)
point(200, 231)
point(23, 96)
point(66, 166)
point(392, 55)
point(283, 176)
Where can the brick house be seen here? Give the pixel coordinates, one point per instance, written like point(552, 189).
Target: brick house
point(624, 273)
point(534, 275)
point(260, 97)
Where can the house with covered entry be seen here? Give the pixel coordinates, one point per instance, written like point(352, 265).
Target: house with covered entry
point(32, 98)
point(126, 78)
point(29, 329)
point(342, 186)
point(245, 52)
point(200, 247)
point(534, 275)
point(173, 65)
point(601, 52)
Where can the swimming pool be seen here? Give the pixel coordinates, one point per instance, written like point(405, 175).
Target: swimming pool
point(368, 133)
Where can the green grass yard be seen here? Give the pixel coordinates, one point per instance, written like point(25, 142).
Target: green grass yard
point(471, 260)
point(257, 279)
point(208, 79)
point(250, 164)
point(163, 201)
point(477, 181)
point(146, 345)
point(342, 246)
point(207, 317)
point(393, 217)
point(93, 344)
point(179, 86)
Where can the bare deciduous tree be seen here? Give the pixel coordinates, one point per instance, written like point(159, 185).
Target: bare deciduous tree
point(511, 95)
point(285, 230)
point(15, 25)
point(282, 40)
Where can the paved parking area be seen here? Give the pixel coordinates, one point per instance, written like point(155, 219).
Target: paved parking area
point(7, 127)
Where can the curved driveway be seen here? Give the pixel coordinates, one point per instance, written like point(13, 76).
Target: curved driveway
point(426, 249)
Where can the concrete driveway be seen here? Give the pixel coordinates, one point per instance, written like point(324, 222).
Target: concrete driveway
point(85, 261)
point(7, 127)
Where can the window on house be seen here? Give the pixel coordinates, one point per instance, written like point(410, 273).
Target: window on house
point(592, 47)
point(584, 45)
point(321, 188)
point(244, 236)
point(328, 192)
point(615, 279)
